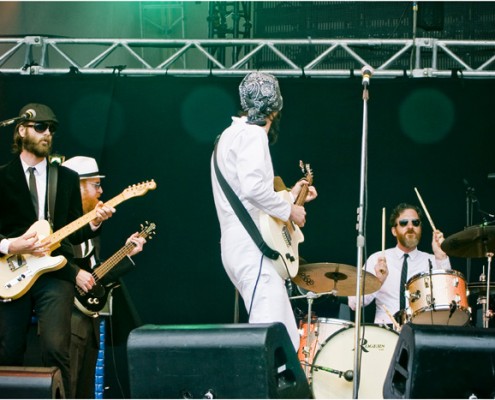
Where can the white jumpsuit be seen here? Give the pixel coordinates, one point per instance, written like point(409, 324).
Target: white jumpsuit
point(244, 159)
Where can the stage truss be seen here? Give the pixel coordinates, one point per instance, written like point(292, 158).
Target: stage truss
point(318, 58)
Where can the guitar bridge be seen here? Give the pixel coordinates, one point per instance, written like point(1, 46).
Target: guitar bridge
point(16, 261)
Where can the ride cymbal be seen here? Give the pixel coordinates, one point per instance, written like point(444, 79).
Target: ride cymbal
point(327, 277)
point(472, 242)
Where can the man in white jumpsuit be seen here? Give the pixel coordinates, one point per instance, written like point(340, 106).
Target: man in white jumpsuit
point(244, 159)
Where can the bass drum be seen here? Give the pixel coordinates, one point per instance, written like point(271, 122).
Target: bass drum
point(320, 330)
point(337, 354)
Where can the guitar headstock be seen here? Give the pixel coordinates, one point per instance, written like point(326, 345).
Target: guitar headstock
point(307, 172)
point(140, 189)
point(147, 230)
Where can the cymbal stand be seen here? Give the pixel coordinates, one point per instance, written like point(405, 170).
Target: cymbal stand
point(310, 296)
point(366, 72)
point(487, 313)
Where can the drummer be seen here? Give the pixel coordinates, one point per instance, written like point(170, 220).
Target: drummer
point(406, 226)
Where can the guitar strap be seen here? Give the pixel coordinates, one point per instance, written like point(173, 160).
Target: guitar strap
point(242, 213)
point(52, 191)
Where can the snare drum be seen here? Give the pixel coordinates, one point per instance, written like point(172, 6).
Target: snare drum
point(320, 330)
point(337, 353)
point(439, 298)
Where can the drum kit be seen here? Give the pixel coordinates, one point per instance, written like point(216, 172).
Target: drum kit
point(437, 297)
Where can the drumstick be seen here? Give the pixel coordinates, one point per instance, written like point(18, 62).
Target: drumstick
point(383, 231)
point(425, 210)
point(396, 324)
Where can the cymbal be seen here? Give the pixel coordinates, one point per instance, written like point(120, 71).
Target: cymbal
point(327, 277)
point(472, 242)
point(480, 288)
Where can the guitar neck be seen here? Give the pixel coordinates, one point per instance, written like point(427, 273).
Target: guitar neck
point(301, 198)
point(112, 261)
point(67, 230)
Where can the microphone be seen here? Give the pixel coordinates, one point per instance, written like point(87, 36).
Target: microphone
point(469, 188)
point(453, 308)
point(348, 375)
point(366, 71)
point(29, 114)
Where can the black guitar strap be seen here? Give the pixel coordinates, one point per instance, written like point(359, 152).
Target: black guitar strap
point(242, 213)
point(52, 191)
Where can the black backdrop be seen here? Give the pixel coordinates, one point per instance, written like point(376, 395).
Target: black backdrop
point(426, 133)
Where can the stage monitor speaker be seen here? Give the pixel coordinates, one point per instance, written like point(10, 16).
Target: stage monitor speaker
point(31, 383)
point(214, 361)
point(442, 362)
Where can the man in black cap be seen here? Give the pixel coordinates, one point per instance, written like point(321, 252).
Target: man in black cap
point(86, 324)
point(32, 190)
point(244, 160)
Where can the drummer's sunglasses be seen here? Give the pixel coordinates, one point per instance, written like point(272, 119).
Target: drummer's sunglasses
point(404, 222)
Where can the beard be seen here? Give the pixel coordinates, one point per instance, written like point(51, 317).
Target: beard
point(89, 201)
point(274, 129)
point(40, 148)
point(409, 241)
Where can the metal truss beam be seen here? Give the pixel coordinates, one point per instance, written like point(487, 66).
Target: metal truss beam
point(318, 58)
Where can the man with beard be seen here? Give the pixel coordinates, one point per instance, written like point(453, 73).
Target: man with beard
point(406, 225)
point(85, 340)
point(244, 160)
point(26, 196)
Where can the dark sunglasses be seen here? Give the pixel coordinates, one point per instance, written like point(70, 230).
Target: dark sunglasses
point(41, 127)
point(404, 222)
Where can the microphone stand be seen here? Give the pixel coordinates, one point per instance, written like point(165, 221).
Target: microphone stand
point(360, 237)
point(469, 221)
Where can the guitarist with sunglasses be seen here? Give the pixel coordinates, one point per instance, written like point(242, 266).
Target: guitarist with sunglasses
point(85, 340)
point(27, 190)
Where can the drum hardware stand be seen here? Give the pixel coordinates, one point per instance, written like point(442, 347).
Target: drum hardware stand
point(366, 71)
point(487, 313)
point(431, 303)
point(310, 296)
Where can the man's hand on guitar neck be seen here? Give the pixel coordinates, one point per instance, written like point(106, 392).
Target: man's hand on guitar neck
point(103, 212)
point(28, 243)
point(296, 189)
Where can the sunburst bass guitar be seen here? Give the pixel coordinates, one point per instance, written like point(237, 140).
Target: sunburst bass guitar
point(18, 272)
point(92, 303)
point(285, 237)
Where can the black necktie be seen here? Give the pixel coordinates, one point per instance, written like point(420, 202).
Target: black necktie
point(33, 189)
point(403, 279)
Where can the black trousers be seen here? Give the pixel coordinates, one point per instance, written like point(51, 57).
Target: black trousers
point(52, 301)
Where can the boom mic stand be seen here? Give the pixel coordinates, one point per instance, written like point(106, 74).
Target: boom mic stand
point(366, 71)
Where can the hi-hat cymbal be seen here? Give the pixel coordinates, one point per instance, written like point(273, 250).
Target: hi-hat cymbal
point(480, 288)
point(472, 242)
point(327, 277)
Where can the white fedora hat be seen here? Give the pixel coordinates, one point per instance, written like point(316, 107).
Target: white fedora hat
point(86, 167)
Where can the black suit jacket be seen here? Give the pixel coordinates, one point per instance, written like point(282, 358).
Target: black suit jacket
point(17, 212)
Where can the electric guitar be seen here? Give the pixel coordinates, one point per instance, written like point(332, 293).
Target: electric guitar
point(18, 272)
point(92, 303)
point(285, 237)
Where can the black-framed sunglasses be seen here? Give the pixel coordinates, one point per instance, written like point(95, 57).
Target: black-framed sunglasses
point(41, 127)
point(404, 222)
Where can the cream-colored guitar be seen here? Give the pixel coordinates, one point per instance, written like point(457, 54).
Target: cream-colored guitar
point(285, 237)
point(18, 272)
